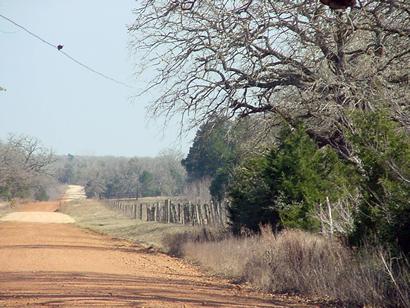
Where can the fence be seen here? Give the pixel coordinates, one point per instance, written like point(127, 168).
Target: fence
point(169, 211)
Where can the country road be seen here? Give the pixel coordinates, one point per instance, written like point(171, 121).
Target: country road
point(49, 263)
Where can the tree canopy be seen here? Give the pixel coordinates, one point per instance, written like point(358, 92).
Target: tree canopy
point(24, 162)
point(299, 60)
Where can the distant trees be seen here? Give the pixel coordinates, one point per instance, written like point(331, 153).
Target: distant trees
point(119, 177)
point(148, 185)
point(66, 173)
point(169, 174)
point(24, 166)
point(94, 188)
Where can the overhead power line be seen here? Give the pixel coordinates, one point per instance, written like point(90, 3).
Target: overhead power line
point(59, 49)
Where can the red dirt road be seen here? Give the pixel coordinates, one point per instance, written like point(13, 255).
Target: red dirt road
point(47, 206)
point(63, 265)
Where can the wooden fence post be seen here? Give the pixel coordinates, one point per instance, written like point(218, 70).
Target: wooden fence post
point(198, 215)
point(189, 213)
point(168, 211)
point(140, 211)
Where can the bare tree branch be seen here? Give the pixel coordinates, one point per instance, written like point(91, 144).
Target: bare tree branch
point(299, 59)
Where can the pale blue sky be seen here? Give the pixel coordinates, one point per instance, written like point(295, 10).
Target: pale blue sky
point(67, 107)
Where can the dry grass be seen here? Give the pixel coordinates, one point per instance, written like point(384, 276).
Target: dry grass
point(93, 215)
point(175, 243)
point(303, 263)
point(4, 208)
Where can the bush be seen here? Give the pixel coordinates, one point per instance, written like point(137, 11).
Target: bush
point(40, 194)
point(384, 150)
point(283, 187)
point(286, 186)
point(251, 198)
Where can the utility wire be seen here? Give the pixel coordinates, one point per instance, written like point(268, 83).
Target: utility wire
point(66, 54)
point(94, 71)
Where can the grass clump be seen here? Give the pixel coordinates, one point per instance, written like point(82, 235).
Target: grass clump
point(175, 243)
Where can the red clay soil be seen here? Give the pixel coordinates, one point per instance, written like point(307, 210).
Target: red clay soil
point(46, 206)
point(63, 265)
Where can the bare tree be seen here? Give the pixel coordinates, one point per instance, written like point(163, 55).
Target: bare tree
point(300, 60)
point(338, 217)
point(23, 159)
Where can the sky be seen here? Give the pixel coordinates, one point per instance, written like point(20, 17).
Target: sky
point(67, 107)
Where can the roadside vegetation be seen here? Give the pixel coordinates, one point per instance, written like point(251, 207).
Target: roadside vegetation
point(302, 109)
point(297, 262)
point(305, 220)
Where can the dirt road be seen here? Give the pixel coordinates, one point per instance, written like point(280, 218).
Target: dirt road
point(74, 192)
point(57, 264)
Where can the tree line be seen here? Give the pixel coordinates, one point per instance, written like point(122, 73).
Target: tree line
point(29, 170)
point(121, 177)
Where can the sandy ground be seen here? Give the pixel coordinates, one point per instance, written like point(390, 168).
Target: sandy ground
point(39, 212)
point(73, 192)
point(52, 264)
point(39, 217)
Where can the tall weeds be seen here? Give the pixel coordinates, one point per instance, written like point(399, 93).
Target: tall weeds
point(300, 262)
